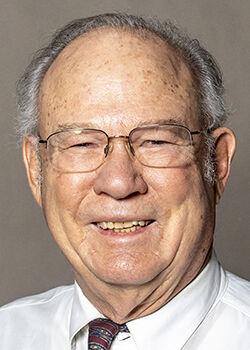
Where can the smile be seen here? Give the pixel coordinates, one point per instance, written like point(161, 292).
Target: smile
point(127, 226)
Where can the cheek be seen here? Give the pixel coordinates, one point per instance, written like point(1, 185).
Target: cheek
point(62, 197)
point(172, 187)
point(67, 190)
point(179, 194)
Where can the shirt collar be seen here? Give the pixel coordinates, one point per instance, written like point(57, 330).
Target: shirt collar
point(82, 312)
point(174, 323)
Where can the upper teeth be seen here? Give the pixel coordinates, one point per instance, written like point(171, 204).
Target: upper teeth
point(120, 225)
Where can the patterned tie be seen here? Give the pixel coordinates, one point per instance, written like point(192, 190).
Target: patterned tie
point(102, 332)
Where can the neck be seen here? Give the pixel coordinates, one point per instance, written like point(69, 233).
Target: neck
point(122, 303)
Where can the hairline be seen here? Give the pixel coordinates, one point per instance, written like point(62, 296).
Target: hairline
point(143, 34)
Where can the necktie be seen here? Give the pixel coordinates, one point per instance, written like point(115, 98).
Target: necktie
point(102, 332)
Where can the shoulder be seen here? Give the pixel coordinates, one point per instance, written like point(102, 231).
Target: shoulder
point(32, 320)
point(237, 294)
point(36, 304)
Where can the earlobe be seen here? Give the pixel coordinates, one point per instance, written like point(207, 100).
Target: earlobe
point(225, 144)
point(32, 165)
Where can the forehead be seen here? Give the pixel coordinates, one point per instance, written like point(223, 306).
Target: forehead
point(109, 76)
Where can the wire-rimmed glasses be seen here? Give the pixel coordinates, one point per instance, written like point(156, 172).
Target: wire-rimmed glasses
point(83, 150)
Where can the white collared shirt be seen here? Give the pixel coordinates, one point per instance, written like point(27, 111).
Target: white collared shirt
point(212, 312)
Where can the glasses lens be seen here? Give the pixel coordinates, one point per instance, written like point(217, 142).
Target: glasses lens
point(162, 146)
point(77, 150)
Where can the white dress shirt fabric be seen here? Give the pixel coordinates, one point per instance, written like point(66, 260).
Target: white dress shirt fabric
point(212, 312)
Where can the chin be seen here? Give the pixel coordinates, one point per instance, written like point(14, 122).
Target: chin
point(125, 273)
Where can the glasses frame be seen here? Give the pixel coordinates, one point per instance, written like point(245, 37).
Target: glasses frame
point(125, 137)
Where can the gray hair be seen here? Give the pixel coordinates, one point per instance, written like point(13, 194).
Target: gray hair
point(201, 63)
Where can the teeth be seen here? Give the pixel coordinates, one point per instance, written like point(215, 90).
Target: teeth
point(110, 225)
point(126, 229)
point(142, 223)
point(118, 225)
point(129, 224)
point(104, 225)
point(126, 226)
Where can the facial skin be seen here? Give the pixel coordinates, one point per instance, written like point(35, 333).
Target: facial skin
point(115, 81)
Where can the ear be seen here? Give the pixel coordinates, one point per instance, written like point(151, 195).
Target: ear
point(32, 165)
point(225, 144)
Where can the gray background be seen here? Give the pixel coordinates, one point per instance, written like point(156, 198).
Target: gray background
point(29, 260)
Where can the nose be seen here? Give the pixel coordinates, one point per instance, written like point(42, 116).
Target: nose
point(119, 176)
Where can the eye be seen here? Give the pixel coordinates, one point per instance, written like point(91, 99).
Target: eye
point(83, 145)
point(155, 143)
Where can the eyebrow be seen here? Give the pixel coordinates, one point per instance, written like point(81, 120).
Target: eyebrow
point(68, 126)
point(161, 121)
point(158, 121)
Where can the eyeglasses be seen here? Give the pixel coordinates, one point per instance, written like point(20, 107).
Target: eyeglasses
point(85, 150)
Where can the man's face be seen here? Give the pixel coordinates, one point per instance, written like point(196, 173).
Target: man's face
point(115, 82)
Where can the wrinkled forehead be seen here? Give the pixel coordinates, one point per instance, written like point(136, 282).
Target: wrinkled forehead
point(110, 66)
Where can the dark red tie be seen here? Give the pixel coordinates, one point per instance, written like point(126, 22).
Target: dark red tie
point(102, 332)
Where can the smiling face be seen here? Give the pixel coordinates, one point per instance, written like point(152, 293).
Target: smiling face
point(115, 81)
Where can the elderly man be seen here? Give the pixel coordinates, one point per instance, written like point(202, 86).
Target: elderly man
point(125, 150)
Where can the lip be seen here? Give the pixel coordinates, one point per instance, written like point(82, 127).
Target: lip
point(140, 230)
point(121, 219)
